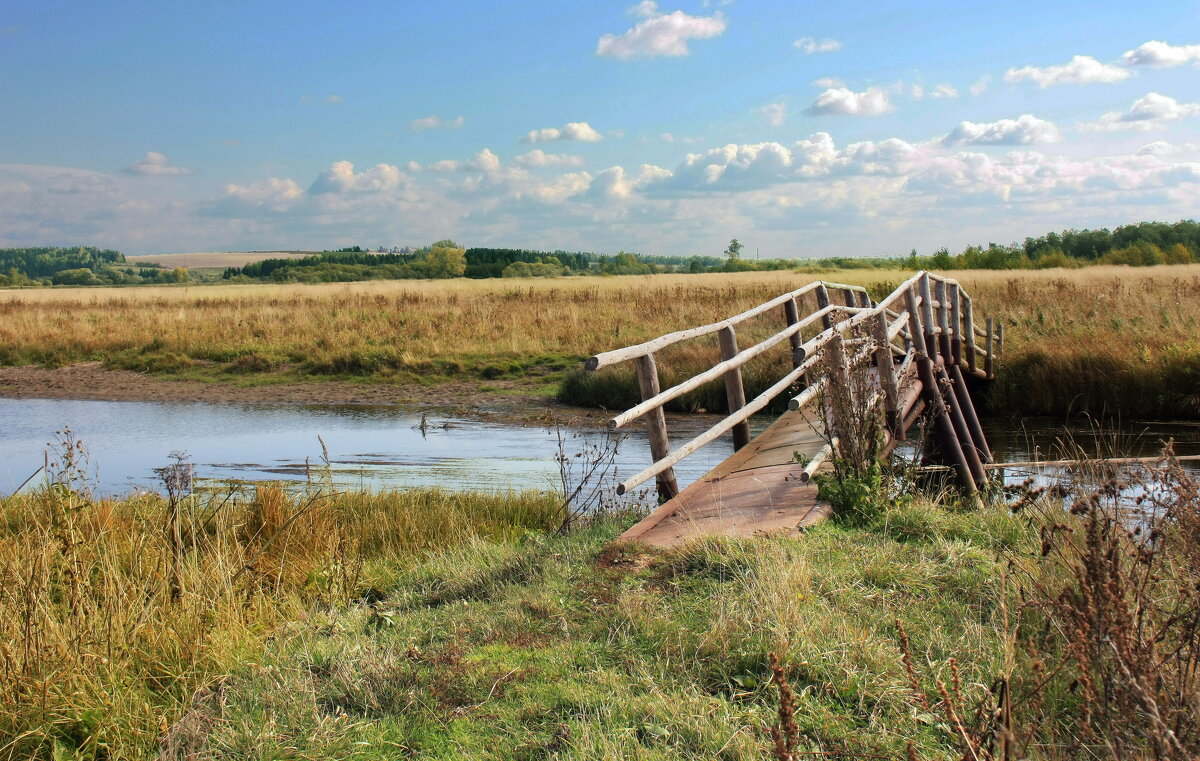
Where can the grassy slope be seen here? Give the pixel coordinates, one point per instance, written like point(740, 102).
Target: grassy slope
point(558, 648)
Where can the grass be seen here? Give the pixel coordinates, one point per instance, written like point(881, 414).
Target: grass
point(1099, 339)
point(568, 648)
point(110, 620)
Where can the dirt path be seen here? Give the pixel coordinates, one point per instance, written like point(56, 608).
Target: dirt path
point(90, 380)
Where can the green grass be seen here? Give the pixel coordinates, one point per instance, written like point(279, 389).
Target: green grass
point(567, 648)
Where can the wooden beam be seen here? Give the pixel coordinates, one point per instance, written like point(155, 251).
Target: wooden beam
point(656, 426)
point(735, 390)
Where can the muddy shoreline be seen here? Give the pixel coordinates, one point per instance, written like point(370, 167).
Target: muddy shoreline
point(92, 381)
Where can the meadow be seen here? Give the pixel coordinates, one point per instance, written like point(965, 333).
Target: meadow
point(1102, 340)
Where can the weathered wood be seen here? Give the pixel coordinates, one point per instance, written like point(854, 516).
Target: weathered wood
point(735, 391)
point(969, 333)
point(928, 324)
point(864, 300)
point(956, 343)
point(656, 425)
point(969, 414)
point(716, 371)
point(958, 419)
point(822, 294)
point(851, 300)
point(988, 352)
point(943, 322)
point(838, 373)
point(1000, 337)
point(818, 460)
point(791, 313)
point(943, 427)
point(887, 373)
point(608, 358)
point(712, 434)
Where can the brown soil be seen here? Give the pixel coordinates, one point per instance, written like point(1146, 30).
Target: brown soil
point(90, 380)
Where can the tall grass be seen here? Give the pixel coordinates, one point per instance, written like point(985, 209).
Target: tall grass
point(110, 621)
point(1099, 339)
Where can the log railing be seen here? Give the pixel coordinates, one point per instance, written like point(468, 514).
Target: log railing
point(915, 338)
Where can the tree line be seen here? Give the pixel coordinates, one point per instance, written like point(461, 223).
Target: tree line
point(79, 265)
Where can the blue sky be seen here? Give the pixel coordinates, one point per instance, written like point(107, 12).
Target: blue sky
point(802, 129)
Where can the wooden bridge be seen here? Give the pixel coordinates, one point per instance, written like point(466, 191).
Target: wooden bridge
point(852, 363)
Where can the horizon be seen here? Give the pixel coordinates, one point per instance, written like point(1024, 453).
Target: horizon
point(665, 128)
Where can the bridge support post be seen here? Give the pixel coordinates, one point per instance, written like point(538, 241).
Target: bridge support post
point(930, 388)
point(656, 425)
point(822, 302)
point(735, 388)
point(969, 334)
point(887, 375)
point(989, 348)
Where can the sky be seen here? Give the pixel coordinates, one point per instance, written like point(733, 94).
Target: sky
point(802, 129)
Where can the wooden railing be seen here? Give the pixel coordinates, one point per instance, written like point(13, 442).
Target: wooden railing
point(915, 338)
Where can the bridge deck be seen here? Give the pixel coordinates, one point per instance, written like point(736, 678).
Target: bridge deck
point(755, 491)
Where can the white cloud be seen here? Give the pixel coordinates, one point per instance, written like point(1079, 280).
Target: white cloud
point(1161, 55)
point(538, 158)
point(581, 131)
point(659, 34)
point(774, 113)
point(1024, 130)
point(828, 82)
point(1150, 112)
point(981, 86)
point(917, 92)
point(333, 98)
point(1081, 70)
point(811, 45)
point(436, 122)
point(484, 161)
point(1163, 148)
point(155, 163)
point(841, 100)
point(273, 195)
point(341, 178)
point(944, 90)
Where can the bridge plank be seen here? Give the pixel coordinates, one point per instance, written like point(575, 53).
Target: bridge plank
point(757, 490)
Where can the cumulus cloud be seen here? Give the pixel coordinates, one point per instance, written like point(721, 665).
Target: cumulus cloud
point(340, 177)
point(581, 131)
point(811, 45)
point(1150, 112)
point(1081, 70)
point(435, 122)
point(1161, 55)
point(538, 158)
point(981, 86)
point(841, 100)
point(660, 34)
point(273, 195)
point(155, 163)
point(828, 82)
point(1024, 130)
point(944, 90)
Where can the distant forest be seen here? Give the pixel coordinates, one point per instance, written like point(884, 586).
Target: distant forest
point(81, 265)
point(1138, 245)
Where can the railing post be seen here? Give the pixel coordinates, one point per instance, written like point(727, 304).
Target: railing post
point(927, 324)
point(656, 425)
point(839, 382)
point(887, 374)
point(735, 390)
point(943, 322)
point(969, 333)
point(864, 300)
point(822, 302)
point(1000, 337)
point(791, 313)
point(851, 301)
point(956, 344)
point(989, 347)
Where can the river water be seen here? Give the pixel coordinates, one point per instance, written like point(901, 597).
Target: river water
point(385, 447)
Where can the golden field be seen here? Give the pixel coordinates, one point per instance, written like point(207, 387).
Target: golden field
point(1082, 339)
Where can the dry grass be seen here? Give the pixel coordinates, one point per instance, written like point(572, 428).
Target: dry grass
point(106, 631)
point(1097, 338)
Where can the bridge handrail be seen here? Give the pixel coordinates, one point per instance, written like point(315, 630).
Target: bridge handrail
point(948, 317)
point(616, 356)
